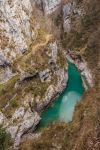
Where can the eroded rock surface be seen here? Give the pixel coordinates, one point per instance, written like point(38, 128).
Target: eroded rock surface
point(32, 65)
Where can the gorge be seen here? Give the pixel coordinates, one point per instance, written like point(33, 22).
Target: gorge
point(63, 107)
point(39, 89)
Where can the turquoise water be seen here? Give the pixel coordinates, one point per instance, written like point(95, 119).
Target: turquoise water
point(63, 107)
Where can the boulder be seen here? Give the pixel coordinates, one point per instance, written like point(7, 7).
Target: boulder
point(45, 75)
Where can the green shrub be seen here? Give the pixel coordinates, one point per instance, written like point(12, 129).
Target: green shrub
point(14, 102)
point(5, 139)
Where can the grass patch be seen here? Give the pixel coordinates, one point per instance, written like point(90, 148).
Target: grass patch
point(5, 139)
point(7, 90)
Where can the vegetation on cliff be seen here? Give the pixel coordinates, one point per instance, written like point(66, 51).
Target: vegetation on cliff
point(83, 133)
point(5, 139)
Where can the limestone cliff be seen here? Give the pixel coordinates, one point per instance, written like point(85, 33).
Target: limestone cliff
point(33, 68)
point(79, 23)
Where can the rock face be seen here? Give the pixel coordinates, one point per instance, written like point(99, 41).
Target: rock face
point(27, 121)
point(16, 33)
point(32, 65)
point(54, 48)
point(82, 67)
point(80, 34)
point(2, 118)
point(15, 28)
point(70, 9)
point(45, 75)
point(50, 6)
point(53, 91)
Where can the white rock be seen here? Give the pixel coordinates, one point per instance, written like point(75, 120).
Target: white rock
point(49, 93)
point(15, 26)
point(45, 75)
point(63, 78)
point(67, 12)
point(19, 113)
point(5, 75)
point(67, 25)
point(30, 120)
point(86, 73)
point(67, 9)
point(50, 5)
point(54, 48)
point(70, 9)
point(12, 130)
point(2, 118)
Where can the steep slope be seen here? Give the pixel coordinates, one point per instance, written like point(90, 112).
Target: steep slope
point(80, 35)
point(33, 68)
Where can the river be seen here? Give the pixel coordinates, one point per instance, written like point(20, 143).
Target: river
point(63, 107)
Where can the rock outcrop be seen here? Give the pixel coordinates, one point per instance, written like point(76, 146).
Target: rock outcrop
point(82, 67)
point(15, 28)
point(71, 10)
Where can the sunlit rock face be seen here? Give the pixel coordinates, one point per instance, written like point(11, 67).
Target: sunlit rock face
point(16, 33)
point(15, 28)
point(50, 5)
point(70, 9)
point(47, 6)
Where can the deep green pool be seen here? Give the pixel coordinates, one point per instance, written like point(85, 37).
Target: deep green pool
point(63, 107)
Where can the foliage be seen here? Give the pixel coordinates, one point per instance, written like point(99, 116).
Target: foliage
point(5, 139)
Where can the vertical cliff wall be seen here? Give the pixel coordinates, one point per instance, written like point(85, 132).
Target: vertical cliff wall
point(33, 67)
